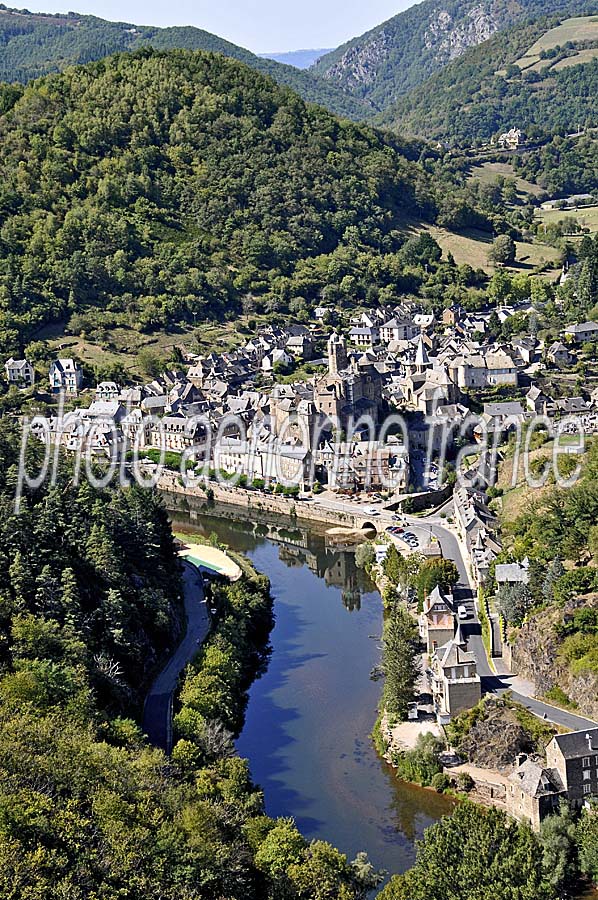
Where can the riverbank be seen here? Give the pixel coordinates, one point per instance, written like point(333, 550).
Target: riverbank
point(308, 511)
point(310, 715)
point(205, 556)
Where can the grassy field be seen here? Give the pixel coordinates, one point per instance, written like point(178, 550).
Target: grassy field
point(586, 216)
point(519, 497)
point(489, 171)
point(472, 247)
point(121, 346)
point(581, 57)
point(581, 28)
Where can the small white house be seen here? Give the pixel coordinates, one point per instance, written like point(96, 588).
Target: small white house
point(276, 357)
point(65, 375)
point(19, 372)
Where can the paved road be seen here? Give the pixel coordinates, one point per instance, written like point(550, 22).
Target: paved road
point(493, 683)
point(157, 713)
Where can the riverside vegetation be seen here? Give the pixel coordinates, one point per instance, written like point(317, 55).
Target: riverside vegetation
point(90, 590)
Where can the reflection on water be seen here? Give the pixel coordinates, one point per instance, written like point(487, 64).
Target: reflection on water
point(309, 717)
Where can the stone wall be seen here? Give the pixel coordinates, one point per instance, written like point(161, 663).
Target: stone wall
point(308, 511)
point(261, 503)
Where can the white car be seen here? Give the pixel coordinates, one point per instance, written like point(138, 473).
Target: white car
point(463, 613)
point(412, 712)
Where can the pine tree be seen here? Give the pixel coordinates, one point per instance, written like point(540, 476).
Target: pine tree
point(21, 580)
point(71, 600)
point(47, 593)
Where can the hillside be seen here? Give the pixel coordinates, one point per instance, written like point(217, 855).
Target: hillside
point(156, 188)
point(508, 82)
point(398, 55)
point(34, 44)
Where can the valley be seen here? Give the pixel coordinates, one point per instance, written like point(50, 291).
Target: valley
point(299, 454)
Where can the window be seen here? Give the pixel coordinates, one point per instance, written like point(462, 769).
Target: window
point(587, 788)
point(587, 775)
point(586, 762)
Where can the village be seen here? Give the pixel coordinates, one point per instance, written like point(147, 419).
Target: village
point(388, 361)
point(323, 439)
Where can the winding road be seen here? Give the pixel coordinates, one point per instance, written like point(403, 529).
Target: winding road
point(157, 712)
point(493, 682)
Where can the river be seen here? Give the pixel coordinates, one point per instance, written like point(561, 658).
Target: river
point(310, 715)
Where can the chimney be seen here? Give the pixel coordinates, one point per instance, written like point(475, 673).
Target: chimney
point(521, 758)
point(589, 740)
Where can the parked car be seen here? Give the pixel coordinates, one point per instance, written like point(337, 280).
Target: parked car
point(463, 613)
point(412, 712)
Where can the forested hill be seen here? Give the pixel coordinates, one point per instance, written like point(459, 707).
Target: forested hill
point(400, 54)
point(501, 85)
point(34, 44)
point(163, 187)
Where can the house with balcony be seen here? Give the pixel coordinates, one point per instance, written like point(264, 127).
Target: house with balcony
point(65, 377)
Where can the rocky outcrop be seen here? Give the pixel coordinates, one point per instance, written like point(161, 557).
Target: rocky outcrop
point(496, 738)
point(403, 52)
point(359, 64)
point(449, 39)
point(535, 656)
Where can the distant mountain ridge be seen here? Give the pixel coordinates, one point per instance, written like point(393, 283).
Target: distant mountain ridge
point(300, 59)
point(536, 77)
point(36, 44)
point(400, 54)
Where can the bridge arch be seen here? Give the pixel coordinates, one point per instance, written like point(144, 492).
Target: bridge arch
point(369, 526)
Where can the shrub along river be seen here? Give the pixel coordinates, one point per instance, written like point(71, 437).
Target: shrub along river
point(309, 717)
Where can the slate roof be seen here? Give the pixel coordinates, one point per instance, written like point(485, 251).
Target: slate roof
point(536, 781)
point(576, 743)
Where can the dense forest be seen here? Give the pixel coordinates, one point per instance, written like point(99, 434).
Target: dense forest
point(563, 166)
point(90, 607)
point(483, 93)
point(399, 55)
point(33, 44)
point(168, 187)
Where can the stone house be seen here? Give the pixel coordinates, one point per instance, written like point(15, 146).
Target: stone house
point(454, 680)
point(397, 330)
point(558, 354)
point(437, 620)
point(575, 757)
point(583, 332)
point(512, 573)
point(533, 792)
point(537, 401)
